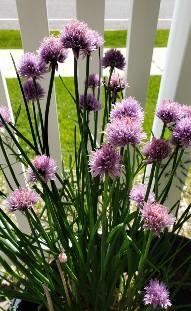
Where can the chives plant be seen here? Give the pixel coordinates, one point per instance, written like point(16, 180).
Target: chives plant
point(104, 238)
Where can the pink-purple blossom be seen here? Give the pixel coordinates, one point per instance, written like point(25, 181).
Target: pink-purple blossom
point(125, 131)
point(156, 217)
point(168, 111)
point(80, 38)
point(113, 58)
point(31, 66)
point(92, 104)
point(93, 80)
point(129, 107)
point(22, 199)
point(105, 161)
point(138, 193)
point(182, 132)
point(117, 84)
point(5, 114)
point(157, 294)
point(156, 150)
point(52, 51)
point(29, 90)
point(45, 166)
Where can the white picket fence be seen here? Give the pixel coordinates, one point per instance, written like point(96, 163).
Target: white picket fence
point(175, 83)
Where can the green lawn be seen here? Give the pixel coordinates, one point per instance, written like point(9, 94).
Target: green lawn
point(67, 112)
point(11, 39)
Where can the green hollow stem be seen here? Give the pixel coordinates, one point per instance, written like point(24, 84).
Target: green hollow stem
point(150, 181)
point(104, 234)
point(46, 145)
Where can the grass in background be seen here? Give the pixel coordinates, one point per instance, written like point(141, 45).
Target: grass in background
point(67, 112)
point(11, 39)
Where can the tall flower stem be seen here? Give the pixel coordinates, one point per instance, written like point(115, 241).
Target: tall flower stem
point(104, 235)
point(46, 145)
point(150, 181)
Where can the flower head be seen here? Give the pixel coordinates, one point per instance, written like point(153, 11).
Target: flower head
point(92, 104)
point(80, 38)
point(31, 66)
point(22, 199)
point(157, 294)
point(113, 58)
point(105, 161)
point(117, 84)
point(156, 217)
point(5, 113)
point(93, 80)
point(182, 132)
point(29, 90)
point(63, 257)
point(45, 166)
point(156, 150)
point(52, 51)
point(168, 111)
point(138, 193)
point(125, 131)
point(128, 107)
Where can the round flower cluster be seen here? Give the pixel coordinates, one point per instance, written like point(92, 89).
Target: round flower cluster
point(105, 161)
point(138, 193)
point(93, 81)
point(126, 124)
point(45, 166)
point(156, 150)
point(5, 114)
point(22, 199)
point(156, 217)
point(113, 58)
point(178, 118)
point(29, 90)
point(92, 104)
point(80, 38)
point(157, 295)
point(117, 84)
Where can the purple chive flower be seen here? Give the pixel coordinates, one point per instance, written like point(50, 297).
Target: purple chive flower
point(168, 111)
point(157, 295)
point(29, 90)
point(182, 132)
point(80, 38)
point(92, 104)
point(93, 81)
point(128, 107)
point(117, 84)
point(185, 111)
point(156, 150)
point(105, 161)
point(31, 66)
point(113, 58)
point(122, 132)
point(156, 217)
point(5, 113)
point(45, 166)
point(137, 194)
point(22, 199)
point(52, 51)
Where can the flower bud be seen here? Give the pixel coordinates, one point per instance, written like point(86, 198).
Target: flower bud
point(62, 257)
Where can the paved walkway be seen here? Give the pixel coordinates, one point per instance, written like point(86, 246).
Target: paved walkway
point(66, 69)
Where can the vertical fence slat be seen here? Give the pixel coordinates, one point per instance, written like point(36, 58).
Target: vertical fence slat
point(175, 83)
point(34, 27)
point(93, 14)
point(140, 42)
point(18, 168)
